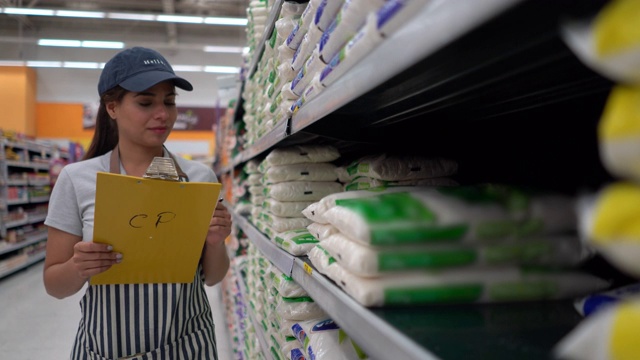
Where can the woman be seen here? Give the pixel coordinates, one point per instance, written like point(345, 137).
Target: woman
point(131, 321)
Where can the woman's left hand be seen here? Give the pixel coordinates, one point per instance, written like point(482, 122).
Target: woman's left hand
point(219, 227)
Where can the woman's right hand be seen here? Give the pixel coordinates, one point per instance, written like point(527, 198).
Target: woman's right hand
point(91, 258)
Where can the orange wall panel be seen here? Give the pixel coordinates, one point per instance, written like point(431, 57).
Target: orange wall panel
point(17, 99)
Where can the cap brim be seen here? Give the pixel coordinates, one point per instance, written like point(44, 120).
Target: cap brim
point(147, 79)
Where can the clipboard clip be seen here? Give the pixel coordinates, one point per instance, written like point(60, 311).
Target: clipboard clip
point(162, 168)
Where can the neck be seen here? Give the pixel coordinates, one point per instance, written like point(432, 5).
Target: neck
point(136, 159)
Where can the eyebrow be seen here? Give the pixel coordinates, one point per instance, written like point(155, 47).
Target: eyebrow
point(146, 93)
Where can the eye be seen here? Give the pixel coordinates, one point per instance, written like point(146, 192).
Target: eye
point(170, 103)
point(144, 104)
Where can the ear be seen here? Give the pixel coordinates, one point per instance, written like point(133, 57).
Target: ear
point(111, 107)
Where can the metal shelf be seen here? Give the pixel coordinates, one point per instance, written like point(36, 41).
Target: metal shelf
point(29, 165)
point(271, 138)
point(23, 244)
point(378, 338)
point(32, 260)
point(280, 258)
point(14, 223)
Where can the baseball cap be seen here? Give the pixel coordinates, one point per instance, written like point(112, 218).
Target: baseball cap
point(137, 69)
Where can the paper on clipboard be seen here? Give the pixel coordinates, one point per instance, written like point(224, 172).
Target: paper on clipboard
point(159, 227)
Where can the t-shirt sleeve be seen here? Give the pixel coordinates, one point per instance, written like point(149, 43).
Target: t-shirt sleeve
point(63, 211)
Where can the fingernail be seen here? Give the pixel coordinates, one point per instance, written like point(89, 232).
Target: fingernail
point(109, 247)
point(118, 256)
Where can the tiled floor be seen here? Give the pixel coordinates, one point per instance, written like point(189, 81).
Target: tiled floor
point(34, 325)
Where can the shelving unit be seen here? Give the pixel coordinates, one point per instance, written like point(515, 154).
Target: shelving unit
point(500, 331)
point(24, 194)
point(491, 84)
point(252, 316)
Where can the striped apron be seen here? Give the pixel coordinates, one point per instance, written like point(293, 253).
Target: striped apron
point(146, 321)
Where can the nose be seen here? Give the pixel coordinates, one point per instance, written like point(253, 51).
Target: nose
point(161, 112)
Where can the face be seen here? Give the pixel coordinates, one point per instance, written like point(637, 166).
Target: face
point(146, 118)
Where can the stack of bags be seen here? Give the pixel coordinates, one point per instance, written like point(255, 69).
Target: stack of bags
point(358, 28)
point(341, 18)
point(380, 171)
point(257, 14)
point(293, 178)
point(277, 303)
point(241, 184)
point(610, 218)
point(260, 94)
point(241, 329)
point(294, 326)
point(416, 245)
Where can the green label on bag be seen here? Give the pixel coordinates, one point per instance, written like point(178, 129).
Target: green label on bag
point(390, 261)
point(435, 294)
point(297, 299)
point(389, 208)
point(304, 239)
point(500, 229)
point(522, 253)
point(416, 234)
point(522, 290)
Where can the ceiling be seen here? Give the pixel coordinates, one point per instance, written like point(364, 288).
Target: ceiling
point(19, 33)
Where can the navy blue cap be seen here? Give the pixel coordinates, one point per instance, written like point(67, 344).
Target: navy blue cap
point(137, 69)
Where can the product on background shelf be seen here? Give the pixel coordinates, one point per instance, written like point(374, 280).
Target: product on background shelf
point(595, 302)
point(322, 339)
point(610, 222)
point(608, 334)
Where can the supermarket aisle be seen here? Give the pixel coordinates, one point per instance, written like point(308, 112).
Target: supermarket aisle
point(34, 325)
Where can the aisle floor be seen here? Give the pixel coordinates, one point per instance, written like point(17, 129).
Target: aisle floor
point(34, 325)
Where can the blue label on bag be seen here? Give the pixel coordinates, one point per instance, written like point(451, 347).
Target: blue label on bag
point(319, 12)
point(388, 11)
point(296, 354)
point(324, 325)
point(292, 35)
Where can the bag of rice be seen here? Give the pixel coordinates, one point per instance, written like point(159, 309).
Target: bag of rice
point(296, 242)
point(470, 214)
point(302, 190)
point(300, 172)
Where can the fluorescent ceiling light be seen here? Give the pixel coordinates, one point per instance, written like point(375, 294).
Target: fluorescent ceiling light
point(223, 49)
point(180, 19)
point(11, 63)
point(130, 16)
point(53, 64)
point(222, 69)
point(59, 42)
point(103, 44)
point(80, 65)
point(225, 21)
point(28, 11)
point(80, 14)
point(188, 68)
point(100, 65)
point(82, 43)
point(127, 16)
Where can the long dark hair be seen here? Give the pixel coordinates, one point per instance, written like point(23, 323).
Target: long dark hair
point(105, 136)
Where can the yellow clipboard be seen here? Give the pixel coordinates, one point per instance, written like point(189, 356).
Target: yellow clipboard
point(158, 226)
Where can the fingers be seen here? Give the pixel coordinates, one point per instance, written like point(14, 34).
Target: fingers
point(91, 258)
